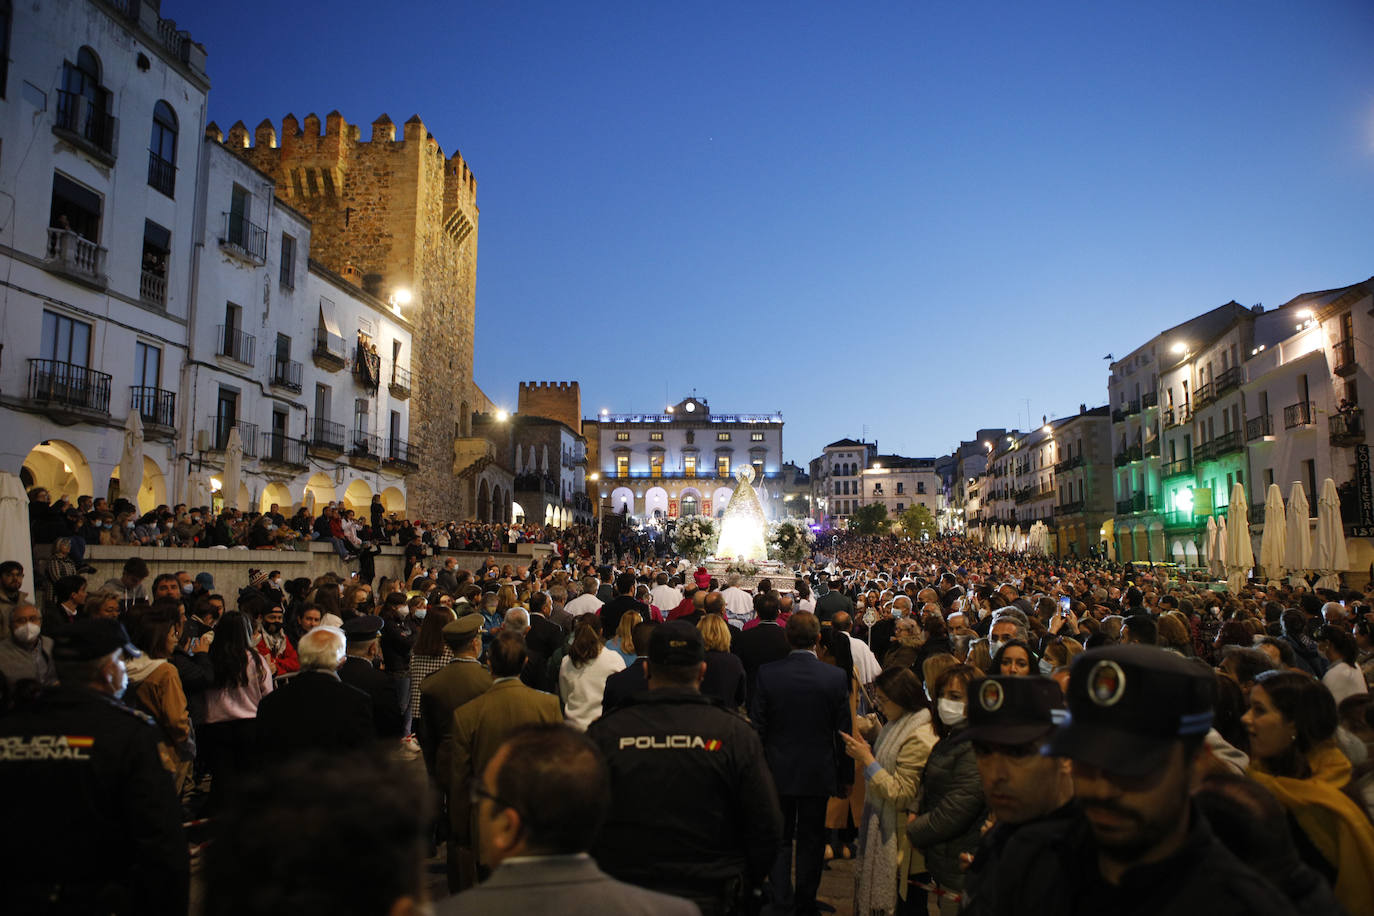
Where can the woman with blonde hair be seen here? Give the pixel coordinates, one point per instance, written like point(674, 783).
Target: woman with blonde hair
point(1173, 633)
point(1059, 653)
point(724, 678)
point(506, 599)
point(623, 641)
point(979, 656)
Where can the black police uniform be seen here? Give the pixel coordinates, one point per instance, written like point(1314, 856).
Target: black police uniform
point(694, 812)
point(92, 823)
point(979, 895)
point(387, 718)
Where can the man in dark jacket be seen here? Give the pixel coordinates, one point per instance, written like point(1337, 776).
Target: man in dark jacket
point(762, 643)
point(834, 600)
point(363, 635)
point(715, 835)
point(95, 824)
point(800, 706)
point(620, 605)
point(314, 710)
point(622, 686)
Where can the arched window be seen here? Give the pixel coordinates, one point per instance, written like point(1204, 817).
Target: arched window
point(82, 104)
point(162, 150)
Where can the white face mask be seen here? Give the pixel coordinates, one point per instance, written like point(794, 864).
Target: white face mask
point(952, 712)
point(420, 613)
point(995, 644)
point(26, 632)
point(187, 589)
point(403, 611)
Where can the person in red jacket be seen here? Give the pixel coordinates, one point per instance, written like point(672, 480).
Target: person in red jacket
point(274, 645)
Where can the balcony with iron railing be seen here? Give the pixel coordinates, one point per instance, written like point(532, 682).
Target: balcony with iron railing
point(330, 352)
point(86, 125)
point(1152, 448)
point(1176, 416)
point(1204, 394)
point(220, 427)
point(1068, 464)
point(1226, 443)
point(1344, 353)
point(279, 448)
point(400, 454)
point(326, 436)
point(243, 238)
point(1228, 379)
point(1070, 508)
point(155, 407)
point(286, 373)
point(365, 445)
point(1177, 468)
point(162, 175)
point(235, 344)
point(76, 257)
point(152, 288)
point(1132, 408)
point(1149, 399)
point(1299, 414)
point(1347, 427)
point(1132, 453)
point(1259, 428)
point(68, 387)
point(1139, 502)
point(1184, 518)
point(1203, 451)
point(399, 386)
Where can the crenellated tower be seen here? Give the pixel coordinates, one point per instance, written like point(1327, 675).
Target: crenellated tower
point(395, 214)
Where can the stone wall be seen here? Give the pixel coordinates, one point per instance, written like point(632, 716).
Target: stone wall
point(561, 401)
point(396, 214)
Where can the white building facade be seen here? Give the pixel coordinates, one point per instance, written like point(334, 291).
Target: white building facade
point(682, 462)
point(102, 107)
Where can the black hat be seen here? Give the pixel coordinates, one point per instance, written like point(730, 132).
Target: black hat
point(1129, 704)
point(1013, 710)
point(676, 643)
point(88, 638)
point(362, 628)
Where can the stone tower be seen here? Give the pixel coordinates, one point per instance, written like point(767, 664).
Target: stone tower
point(395, 215)
point(560, 401)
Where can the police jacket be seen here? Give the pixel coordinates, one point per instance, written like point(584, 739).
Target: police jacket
point(983, 871)
point(92, 815)
point(1051, 867)
point(693, 804)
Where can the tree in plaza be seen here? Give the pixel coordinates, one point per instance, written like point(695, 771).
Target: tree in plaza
point(916, 521)
point(870, 519)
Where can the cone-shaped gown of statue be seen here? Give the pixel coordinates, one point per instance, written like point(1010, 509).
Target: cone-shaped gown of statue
point(742, 527)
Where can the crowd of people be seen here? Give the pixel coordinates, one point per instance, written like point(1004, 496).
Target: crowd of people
point(983, 732)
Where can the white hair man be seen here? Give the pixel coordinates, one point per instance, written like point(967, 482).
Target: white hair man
point(517, 621)
point(313, 710)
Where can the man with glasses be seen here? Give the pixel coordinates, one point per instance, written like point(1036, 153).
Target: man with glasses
point(538, 805)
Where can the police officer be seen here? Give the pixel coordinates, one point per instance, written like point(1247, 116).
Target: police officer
point(1009, 720)
point(694, 812)
point(1137, 844)
point(360, 670)
point(92, 824)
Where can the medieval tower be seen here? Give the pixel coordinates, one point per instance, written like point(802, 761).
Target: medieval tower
point(395, 215)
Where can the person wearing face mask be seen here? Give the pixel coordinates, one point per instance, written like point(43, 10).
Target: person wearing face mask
point(27, 654)
point(951, 809)
point(273, 644)
point(61, 753)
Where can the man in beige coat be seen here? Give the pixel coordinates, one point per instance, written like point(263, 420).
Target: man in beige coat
point(481, 724)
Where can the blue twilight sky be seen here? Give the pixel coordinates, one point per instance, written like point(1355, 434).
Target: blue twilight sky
point(904, 219)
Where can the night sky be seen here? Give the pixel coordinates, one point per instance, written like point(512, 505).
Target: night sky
point(905, 220)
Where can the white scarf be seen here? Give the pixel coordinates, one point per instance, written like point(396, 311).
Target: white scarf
point(876, 890)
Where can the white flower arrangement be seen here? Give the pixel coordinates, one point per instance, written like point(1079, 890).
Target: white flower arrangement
point(695, 537)
point(742, 567)
point(790, 540)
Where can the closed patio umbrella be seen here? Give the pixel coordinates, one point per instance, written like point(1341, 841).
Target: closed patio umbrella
point(1216, 565)
point(233, 469)
point(1240, 556)
point(1272, 541)
point(131, 459)
point(1297, 553)
point(14, 524)
point(1330, 556)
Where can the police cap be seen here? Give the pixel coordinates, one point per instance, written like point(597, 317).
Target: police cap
point(88, 638)
point(1129, 704)
point(676, 643)
point(463, 629)
point(1013, 710)
point(362, 628)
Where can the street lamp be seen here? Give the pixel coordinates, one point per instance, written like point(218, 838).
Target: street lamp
point(399, 298)
point(502, 416)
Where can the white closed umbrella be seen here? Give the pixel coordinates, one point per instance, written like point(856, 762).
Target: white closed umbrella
point(1330, 557)
point(198, 490)
point(1240, 556)
point(1216, 561)
point(1297, 553)
point(1272, 541)
point(519, 469)
point(545, 464)
point(233, 469)
point(131, 459)
point(14, 524)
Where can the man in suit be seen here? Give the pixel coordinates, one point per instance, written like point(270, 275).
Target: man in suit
point(315, 710)
point(448, 577)
point(542, 639)
point(762, 643)
point(482, 723)
point(800, 705)
point(623, 685)
point(834, 600)
point(623, 603)
point(363, 634)
point(539, 804)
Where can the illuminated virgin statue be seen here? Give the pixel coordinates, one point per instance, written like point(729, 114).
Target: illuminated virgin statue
point(743, 525)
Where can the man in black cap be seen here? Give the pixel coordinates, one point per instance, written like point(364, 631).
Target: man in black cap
point(359, 670)
point(1009, 720)
point(1138, 717)
point(715, 835)
point(94, 824)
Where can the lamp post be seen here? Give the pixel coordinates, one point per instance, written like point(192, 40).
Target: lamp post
point(594, 477)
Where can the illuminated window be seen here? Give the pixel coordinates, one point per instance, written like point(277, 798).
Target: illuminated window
point(622, 465)
point(722, 437)
point(756, 437)
point(758, 470)
point(689, 464)
point(622, 437)
point(656, 465)
point(655, 437)
point(722, 466)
